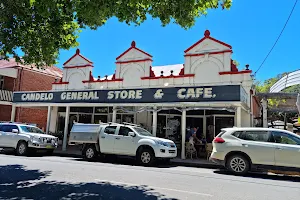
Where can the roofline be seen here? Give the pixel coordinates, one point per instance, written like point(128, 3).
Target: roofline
point(78, 53)
point(207, 36)
point(133, 47)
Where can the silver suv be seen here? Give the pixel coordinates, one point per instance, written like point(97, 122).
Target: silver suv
point(243, 149)
point(23, 138)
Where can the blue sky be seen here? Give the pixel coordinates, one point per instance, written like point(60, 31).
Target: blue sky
point(250, 27)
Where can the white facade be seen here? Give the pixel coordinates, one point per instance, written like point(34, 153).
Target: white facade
point(207, 63)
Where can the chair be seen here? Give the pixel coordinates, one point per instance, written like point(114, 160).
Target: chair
point(209, 149)
point(190, 150)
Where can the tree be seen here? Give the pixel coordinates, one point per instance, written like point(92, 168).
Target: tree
point(41, 27)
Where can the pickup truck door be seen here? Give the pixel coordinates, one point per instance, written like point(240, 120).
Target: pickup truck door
point(107, 139)
point(125, 144)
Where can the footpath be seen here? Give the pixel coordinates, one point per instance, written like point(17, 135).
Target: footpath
point(72, 151)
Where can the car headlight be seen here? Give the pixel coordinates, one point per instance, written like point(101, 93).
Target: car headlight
point(36, 139)
point(162, 143)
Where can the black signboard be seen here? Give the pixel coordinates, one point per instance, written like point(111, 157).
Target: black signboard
point(145, 95)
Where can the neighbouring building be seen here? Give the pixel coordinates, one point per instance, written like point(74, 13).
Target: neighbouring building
point(206, 91)
point(18, 77)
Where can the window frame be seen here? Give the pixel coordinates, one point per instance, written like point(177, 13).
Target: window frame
point(1, 82)
point(243, 135)
point(124, 127)
point(10, 125)
point(116, 127)
point(289, 136)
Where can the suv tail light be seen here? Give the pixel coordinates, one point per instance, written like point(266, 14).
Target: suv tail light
point(219, 140)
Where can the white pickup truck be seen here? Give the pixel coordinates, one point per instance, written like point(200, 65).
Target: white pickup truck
point(23, 138)
point(121, 139)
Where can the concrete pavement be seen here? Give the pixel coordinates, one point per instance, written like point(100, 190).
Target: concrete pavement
point(72, 178)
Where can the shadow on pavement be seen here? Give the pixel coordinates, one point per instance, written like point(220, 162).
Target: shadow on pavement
point(264, 176)
point(17, 182)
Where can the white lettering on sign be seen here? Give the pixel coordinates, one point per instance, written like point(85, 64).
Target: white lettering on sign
point(79, 96)
point(125, 94)
point(195, 93)
point(37, 96)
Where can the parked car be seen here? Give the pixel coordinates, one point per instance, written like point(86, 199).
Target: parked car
point(23, 138)
point(241, 150)
point(121, 139)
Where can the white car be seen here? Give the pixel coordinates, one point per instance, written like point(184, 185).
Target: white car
point(121, 139)
point(23, 138)
point(243, 149)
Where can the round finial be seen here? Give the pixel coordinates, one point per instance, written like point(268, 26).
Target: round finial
point(162, 73)
point(106, 77)
point(99, 77)
point(133, 44)
point(77, 51)
point(247, 67)
point(172, 72)
point(207, 33)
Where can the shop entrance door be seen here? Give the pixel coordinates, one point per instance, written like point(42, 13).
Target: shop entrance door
point(195, 122)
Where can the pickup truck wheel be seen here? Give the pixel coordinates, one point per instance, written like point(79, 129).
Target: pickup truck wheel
point(146, 157)
point(90, 153)
point(22, 148)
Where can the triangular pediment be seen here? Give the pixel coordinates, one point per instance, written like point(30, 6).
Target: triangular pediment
point(207, 44)
point(77, 60)
point(133, 54)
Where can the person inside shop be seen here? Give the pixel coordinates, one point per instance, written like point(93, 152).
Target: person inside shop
point(191, 136)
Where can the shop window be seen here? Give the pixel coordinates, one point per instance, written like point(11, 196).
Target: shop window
point(103, 110)
point(129, 118)
point(82, 109)
point(195, 112)
point(1, 82)
point(61, 109)
point(218, 112)
point(100, 118)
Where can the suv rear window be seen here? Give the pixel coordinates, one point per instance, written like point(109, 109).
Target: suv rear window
point(238, 134)
point(221, 133)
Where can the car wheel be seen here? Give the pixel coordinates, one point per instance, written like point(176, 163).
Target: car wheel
point(238, 164)
point(89, 153)
point(146, 157)
point(22, 148)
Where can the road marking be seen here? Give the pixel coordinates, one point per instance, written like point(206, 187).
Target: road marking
point(153, 187)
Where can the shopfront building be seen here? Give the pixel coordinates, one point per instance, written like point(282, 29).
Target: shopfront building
point(207, 92)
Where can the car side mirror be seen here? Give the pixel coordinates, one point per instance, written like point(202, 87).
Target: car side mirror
point(132, 134)
point(15, 131)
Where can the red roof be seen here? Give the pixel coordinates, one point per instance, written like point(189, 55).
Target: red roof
point(133, 47)
point(207, 36)
point(48, 70)
point(78, 53)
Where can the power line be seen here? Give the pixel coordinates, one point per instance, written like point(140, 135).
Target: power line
point(277, 37)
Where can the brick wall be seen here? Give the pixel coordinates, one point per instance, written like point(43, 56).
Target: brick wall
point(5, 111)
point(32, 81)
point(9, 83)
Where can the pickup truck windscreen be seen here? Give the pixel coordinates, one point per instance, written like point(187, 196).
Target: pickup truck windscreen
point(142, 131)
point(31, 129)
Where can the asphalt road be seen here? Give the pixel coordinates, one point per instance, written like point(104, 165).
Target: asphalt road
point(72, 178)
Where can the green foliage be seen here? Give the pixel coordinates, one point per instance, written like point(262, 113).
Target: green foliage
point(41, 27)
point(264, 87)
